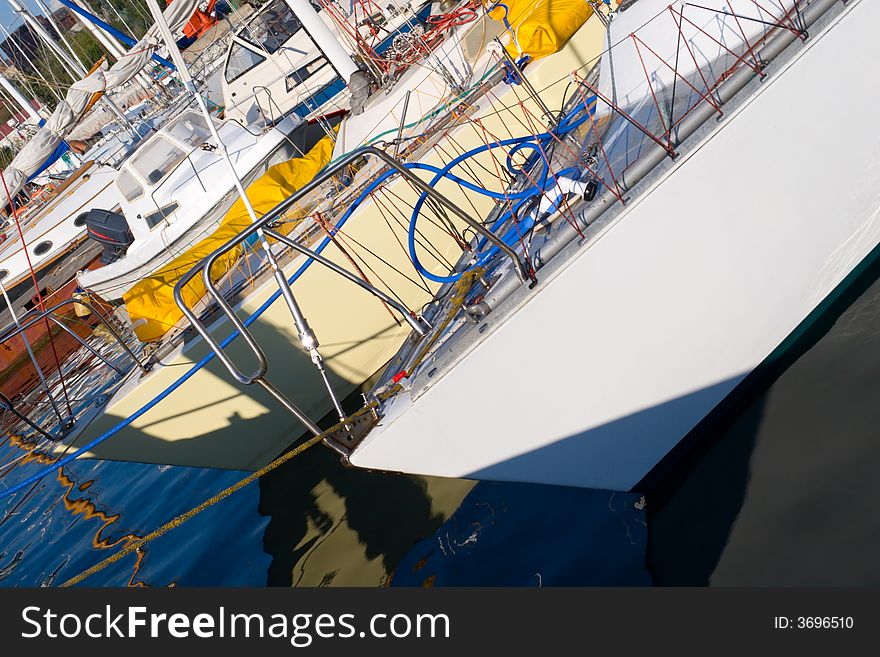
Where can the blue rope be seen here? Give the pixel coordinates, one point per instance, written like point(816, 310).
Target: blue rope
point(538, 144)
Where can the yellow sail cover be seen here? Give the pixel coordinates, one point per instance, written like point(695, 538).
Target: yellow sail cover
point(152, 299)
point(541, 27)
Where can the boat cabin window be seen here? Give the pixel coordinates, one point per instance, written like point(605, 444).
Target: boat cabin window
point(156, 159)
point(271, 27)
point(42, 248)
point(128, 186)
point(190, 129)
point(266, 33)
point(241, 60)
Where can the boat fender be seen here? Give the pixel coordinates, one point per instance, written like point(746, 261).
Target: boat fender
point(359, 85)
point(80, 309)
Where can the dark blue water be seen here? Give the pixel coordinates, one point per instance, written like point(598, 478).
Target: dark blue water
point(528, 535)
point(784, 492)
point(317, 523)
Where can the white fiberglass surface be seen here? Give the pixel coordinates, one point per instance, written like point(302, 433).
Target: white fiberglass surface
point(58, 222)
point(192, 221)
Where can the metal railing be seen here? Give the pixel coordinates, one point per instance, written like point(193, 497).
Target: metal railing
point(29, 320)
point(48, 315)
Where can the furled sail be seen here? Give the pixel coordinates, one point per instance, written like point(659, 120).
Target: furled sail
point(70, 110)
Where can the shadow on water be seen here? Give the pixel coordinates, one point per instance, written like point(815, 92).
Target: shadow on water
point(376, 507)
point(506, 534)
point(768, 442)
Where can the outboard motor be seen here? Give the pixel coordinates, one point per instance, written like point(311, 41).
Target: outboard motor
point(110, 229)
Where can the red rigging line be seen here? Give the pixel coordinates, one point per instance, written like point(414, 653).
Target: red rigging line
point(705, 96)
point(745, 38)
point(595, 128)
point(786, 15)
point(24, 247)
point(740, 59)
point(425, 43)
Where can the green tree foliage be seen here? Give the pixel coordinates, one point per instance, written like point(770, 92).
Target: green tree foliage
point(87, 49)
point(129, 15)
point(6, 155)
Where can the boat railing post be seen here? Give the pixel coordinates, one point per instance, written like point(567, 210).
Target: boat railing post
point(306, 335)
point(7, 405)
point(418, 325)
point(85, 344)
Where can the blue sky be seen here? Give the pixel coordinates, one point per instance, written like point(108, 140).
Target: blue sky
point(10, 19)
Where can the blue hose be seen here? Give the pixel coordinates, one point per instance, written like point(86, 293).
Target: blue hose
point(537, 143)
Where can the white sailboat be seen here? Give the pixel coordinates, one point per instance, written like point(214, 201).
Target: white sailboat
point(579, 304)
point(174, 191)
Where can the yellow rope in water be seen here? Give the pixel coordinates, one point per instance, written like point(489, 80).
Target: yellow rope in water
point(179, 520)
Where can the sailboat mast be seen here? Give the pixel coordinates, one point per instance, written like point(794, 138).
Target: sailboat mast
point(110, 38)
point(107, 40)
point(307, 337)
point(73, 68)
point(19, 98)
point(50, 86)
point(325, 39)
point(48, 15)
point(65, 58)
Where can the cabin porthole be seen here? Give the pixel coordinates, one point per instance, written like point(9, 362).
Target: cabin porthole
point(80, 221)
point(42, 248)
point(3, 274)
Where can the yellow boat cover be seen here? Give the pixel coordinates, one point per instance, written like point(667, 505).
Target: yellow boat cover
point(542, 27)
point(152, 299)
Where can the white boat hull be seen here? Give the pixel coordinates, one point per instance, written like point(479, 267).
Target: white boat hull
point(610, 362)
